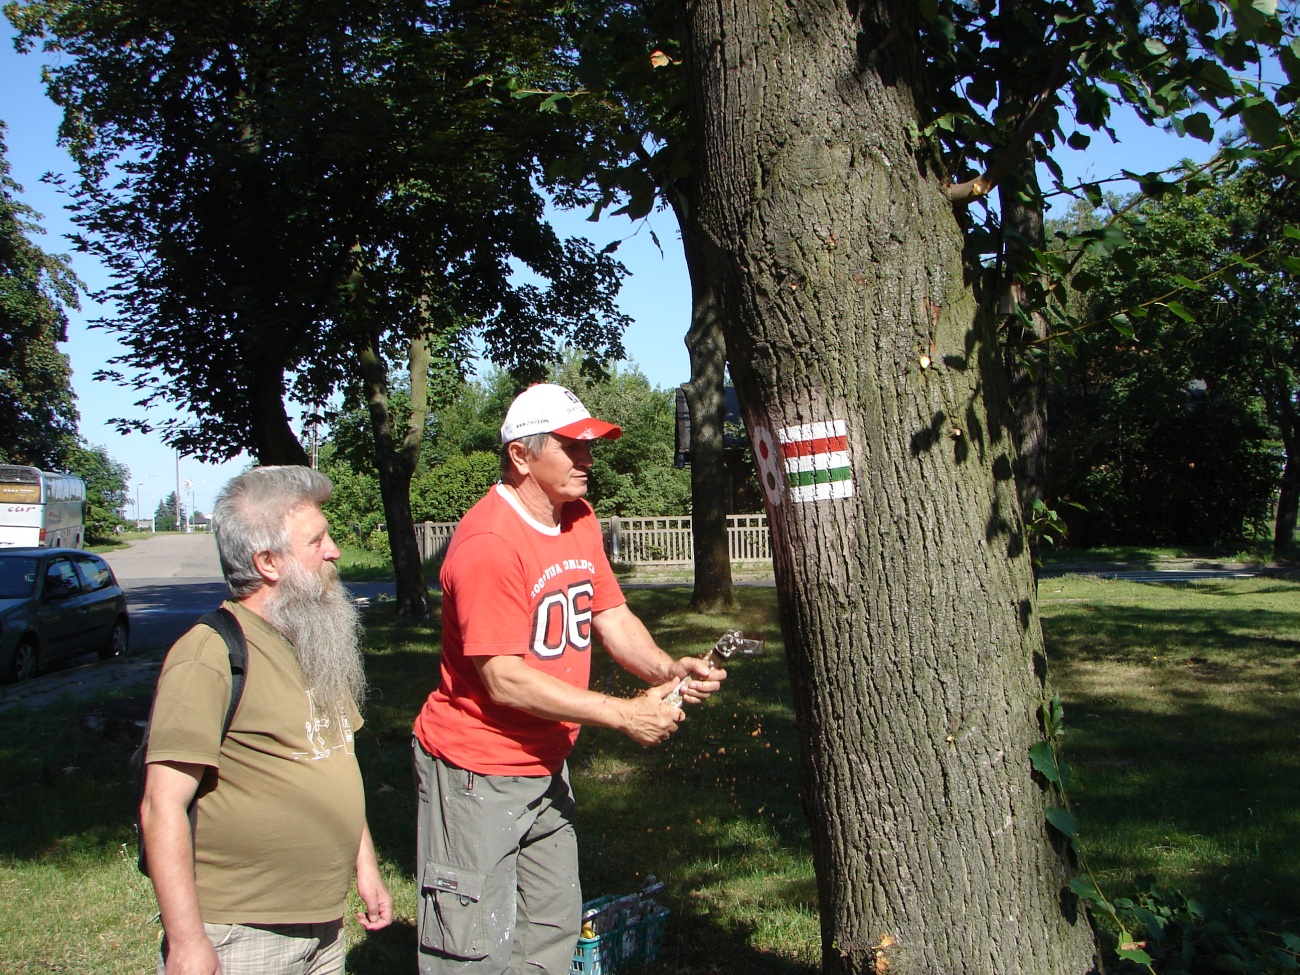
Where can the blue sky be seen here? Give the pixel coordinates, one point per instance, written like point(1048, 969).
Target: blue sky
point(656, 295)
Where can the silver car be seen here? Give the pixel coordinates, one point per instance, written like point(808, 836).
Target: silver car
point(55, 604)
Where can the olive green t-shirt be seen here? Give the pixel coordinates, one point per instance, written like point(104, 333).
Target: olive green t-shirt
point(276, 839)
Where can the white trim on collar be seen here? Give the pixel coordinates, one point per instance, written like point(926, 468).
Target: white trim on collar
point(515, 503)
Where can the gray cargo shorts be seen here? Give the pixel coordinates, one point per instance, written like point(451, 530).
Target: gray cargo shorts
point(497, 858)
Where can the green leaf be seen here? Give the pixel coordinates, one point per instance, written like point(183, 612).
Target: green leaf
point(1198, 126)
point(1063, 820)
point(1213, 79)
point(1085, 281)
point(1291, 231)
point(559, 102)
point(1078, 140)
point(1179, 309)
point(1044, 760)
point(1086, 889)
point(1136, 955)
point(1263, 121)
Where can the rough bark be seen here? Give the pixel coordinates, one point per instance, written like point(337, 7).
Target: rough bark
point(396, 464)
point(907, 608)
point(1022, 221)
point(1023, 90)
point(1288, 500)
point(704, 396)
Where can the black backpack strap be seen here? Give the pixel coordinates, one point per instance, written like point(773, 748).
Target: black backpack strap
point(227, 626)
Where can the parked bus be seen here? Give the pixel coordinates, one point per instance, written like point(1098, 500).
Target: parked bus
point(40, 509)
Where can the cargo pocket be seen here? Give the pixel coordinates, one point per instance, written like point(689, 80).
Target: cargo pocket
point(466, 915)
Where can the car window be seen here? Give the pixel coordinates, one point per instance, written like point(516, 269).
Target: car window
point(61, 579)
point(94, 572)
point(17, 577)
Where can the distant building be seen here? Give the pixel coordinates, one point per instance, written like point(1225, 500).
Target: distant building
point(743, 494)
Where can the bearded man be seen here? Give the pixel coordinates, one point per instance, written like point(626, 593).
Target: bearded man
point(254, 838)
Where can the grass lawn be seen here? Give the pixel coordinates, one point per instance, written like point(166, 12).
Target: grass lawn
point(1181, 713)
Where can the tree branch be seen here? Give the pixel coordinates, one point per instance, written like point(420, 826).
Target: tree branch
point(962, 194)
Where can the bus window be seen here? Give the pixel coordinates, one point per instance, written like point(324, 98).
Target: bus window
point(41, 509)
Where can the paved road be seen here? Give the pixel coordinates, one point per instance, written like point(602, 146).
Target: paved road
point(170, 580)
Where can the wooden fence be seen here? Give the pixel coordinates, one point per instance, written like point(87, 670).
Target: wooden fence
point(642, 541)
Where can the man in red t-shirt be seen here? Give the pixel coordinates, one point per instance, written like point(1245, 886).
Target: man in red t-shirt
point(526, 588)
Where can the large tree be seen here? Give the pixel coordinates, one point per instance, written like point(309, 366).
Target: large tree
point(633, 95)
point(861, 322)
point(289, 197)
point(863, 354)
point(38, 413)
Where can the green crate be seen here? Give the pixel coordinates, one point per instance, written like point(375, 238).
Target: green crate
point(652, 934)
point(601, 955)
point(628, 933)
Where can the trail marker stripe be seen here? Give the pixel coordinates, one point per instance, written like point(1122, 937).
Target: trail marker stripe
point(803, 448)
point(816, 461)
point(822, 492)
point(824, 476)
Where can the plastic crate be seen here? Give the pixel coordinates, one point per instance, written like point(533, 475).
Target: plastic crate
point(601, 955)
point(628, 933)
point(652, 934)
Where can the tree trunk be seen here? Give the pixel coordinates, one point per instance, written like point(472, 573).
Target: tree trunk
point(1288, 499)
point(704, 396)
point(1023, 225)
point(906, 592)
point(396, 465)
point(273, 437)
point(1020, 200)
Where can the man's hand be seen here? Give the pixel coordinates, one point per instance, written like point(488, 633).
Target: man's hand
point(379, 906)
point(192, 958)
point(371, 887)
point(700, 680)
point(647, 720)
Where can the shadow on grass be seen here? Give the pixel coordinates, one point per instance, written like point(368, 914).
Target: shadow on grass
point(1183, 727)
point(393, 952)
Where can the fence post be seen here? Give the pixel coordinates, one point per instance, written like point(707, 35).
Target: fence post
point(615, 540)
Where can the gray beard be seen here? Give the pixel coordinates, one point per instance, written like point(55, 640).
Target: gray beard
point(316, 615)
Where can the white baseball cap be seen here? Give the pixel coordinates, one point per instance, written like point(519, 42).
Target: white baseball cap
point(548, 408)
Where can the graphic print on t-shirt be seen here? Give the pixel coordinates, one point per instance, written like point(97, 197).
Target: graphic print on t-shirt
point(325, 732)
point(562, 618)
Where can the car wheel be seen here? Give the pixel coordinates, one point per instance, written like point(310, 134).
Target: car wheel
point(117, 644)
point(26, 661)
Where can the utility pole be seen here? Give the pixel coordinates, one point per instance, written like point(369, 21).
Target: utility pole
point(178, 490)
